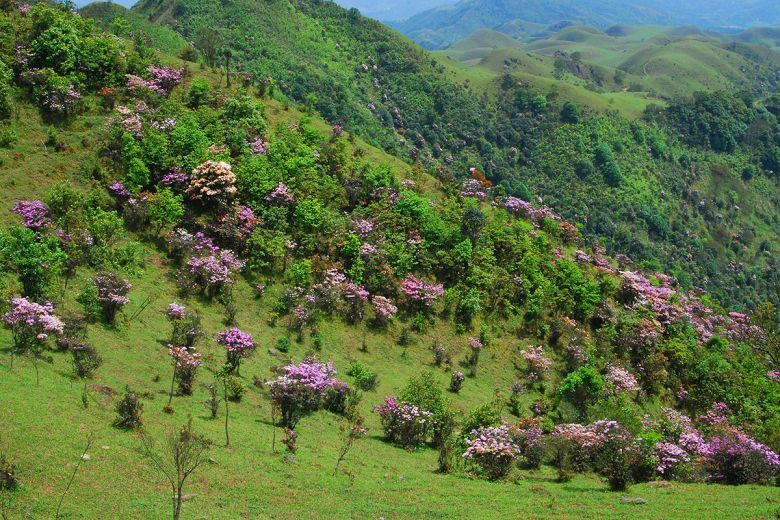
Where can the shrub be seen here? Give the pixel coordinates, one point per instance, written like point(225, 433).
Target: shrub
point(211, 273)
point(212, 182)
point(235, 388)
point(111, 294)
point(404, 424)
point(36, 259)
point(456, 381)
point(492, 450)
point(9, 479)
point(735, 458)
point(581, 386)
point(129, 410)
point(31, 324)
point(86, 359)
point(199, 93)
point(365, 379)
point(300, 389)
point(238, 345)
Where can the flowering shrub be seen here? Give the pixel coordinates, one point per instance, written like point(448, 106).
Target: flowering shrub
point(212, 181)
point(280, 196)
point(175, 312)
point(162, 82)
point(421, 293)
point(492, 449)
point(670, 459)
point(213, 272)
point(456, 381)
point(384, 310)
point(472, 188)
point(621, 379)
point(182, 244)
point(301, 389)
point(185, 365)
point(31, 323)
point(537, 362)
point(238, 344)
point(60, 98)
point(111, 294)
point(34, 212)
point(404, 424)
point(734, 458)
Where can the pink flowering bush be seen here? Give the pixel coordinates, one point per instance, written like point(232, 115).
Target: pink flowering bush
point(456, 381)
point(537, 362)
point(111, 294)
point(671, 458)
point(492, 450)
point(183, 244)
point(34, 212)
point(420, 293)
point(238, 345)
point(162, 82)
point(280, 196)
point(302, 389)
point(404, 424)
point(384, 310)
point(31, 324)
point(621, 379)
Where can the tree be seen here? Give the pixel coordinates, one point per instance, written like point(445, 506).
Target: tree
point(165, 209)
point(185, 451)
point(36, 259)
point(570, 112)
point(208, 41)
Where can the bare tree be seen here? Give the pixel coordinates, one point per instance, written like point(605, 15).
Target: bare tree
point(184, 452)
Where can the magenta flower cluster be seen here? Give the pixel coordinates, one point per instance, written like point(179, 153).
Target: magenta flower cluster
point(301, 389)
point(421, 292)
point(621, 379)
point(34, 212)
point(280, 195)
point(175, 312)
point(525, 210)
point(236, 341)
point(214, 270)
point(537, 362)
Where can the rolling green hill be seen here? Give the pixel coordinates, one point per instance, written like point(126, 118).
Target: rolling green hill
point(441, 26)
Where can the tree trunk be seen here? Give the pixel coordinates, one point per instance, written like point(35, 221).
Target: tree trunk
point(227, 411)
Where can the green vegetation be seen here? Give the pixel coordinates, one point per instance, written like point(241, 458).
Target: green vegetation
point(212, 232)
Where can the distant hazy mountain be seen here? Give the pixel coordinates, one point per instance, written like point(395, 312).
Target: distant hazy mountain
point(124, 3)
point(444, 25)
point(393, 10)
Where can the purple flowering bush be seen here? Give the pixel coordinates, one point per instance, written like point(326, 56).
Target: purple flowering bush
point(31, 324)
point(301, 389)
point(34, 212)
point(238, 345)
point(211, 273)
point(111, 294)
point(404, 424)
point(419, 293)
point(185, 365)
